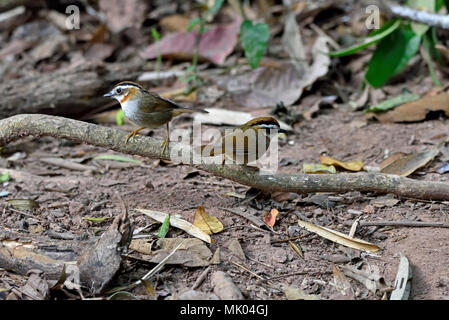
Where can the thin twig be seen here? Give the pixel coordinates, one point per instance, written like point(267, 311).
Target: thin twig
point(201, 278)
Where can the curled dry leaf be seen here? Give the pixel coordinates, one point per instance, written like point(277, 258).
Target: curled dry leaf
point(208, 224)
point(407, 164)
point(339, 237)
point(271, 220)
point(177, 223)
point(351, 166)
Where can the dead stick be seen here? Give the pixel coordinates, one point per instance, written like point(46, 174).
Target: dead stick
point(20, 126)
point(429, 18)
point(201, 278)
point(416, 224)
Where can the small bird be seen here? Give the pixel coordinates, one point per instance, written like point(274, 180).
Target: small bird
point(147, 109)
point(242, 145)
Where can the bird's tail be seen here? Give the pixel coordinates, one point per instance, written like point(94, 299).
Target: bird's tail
point(182, 110)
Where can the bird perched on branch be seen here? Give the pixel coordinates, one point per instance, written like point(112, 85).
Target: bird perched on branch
point(147, 109)
point(246, 143)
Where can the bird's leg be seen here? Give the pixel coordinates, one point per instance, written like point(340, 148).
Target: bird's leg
point(164, 144)
point(133, 134)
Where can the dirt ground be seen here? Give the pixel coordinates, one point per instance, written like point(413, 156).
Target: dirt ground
point(67, 196)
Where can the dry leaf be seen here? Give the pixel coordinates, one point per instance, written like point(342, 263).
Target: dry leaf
point(296, 248)
point(416, 110)
point(192, 252)
point(177, 223)
point(119, 16)
point(208, 224)
point(406, 165)
point(318, 168)
point(175, 22)
point(216, 44)
point(293, 293)
point(384, 201)
point(341, 282)
point(373, 281)
point(271, 220)
point(236, 249)
point(395, 156)
point(339, 237)
point(269, 85)
point(351, 166)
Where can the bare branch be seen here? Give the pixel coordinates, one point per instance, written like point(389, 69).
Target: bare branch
point(429, 18)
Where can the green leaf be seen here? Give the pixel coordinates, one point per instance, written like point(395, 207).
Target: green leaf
point(392, 55)
point(193, 23)
point(119, 117)
point(254, 41)
point(4, 177)
point(155, 34)
point(115, 157)
point(164, 228)
point(214, 9)
point(372, 38)
point(393, 102)
point(438, 5)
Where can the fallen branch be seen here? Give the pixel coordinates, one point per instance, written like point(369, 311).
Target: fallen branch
point(19, 126)
point(424, 17)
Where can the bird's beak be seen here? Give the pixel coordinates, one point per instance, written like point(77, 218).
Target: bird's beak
point(109, 94)
point(282, 131)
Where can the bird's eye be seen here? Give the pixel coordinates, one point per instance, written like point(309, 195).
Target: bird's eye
point(119, 90)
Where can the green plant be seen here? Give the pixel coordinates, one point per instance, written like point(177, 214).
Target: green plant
point(397, 42)
point(157, 38)
point(254, 39)
point(191, 77)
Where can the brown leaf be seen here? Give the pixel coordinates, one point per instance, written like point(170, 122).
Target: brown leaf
point(192, 253)
point(416, 110)
point(174, 23)
point(236, 249)
point(270, 85)
point(205, 222)
point(406, 165)
point(216, 44)
point(391, 159)
point(339, 237)
point(120, 16)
